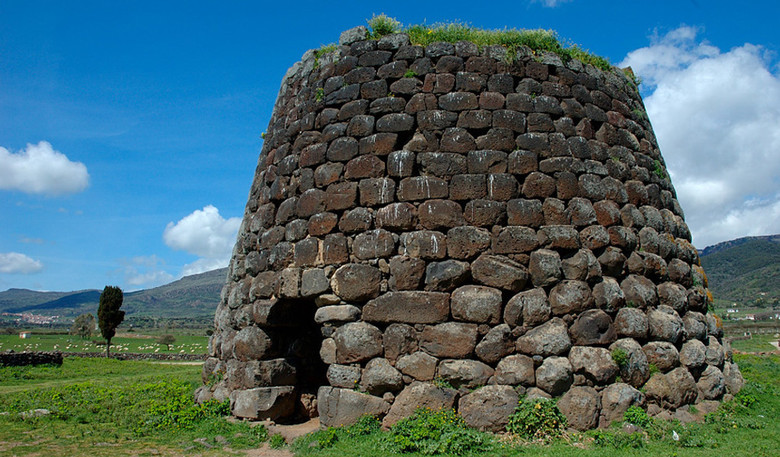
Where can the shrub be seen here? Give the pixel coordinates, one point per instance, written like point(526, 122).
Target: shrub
point(620, 357)
point(383, 25)
point(433, 432)
point(638, 416)
point(277, 441)
point(538, 418)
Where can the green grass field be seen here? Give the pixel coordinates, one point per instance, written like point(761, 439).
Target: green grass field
point(758, 343)
point(125, 342)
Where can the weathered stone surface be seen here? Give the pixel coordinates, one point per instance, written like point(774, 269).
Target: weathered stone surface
point(464, 373)
point(488, 408)
point(662, 354)
point(446, 275)
point(418, 365)
point(337, 313)
point(545, 267)
point(692, 354)
point(356, 282)
point(449, 340)
point(596, 364)
point(550, 338)
point(554, 376)
point(419, 395)
point(380, 377)
point(529, 308)
point(477, 304)
point(399, 339)
point(497, 343)
point(263, 403)
point(631, 323)
point(592, 328)
point(615, 401)
point(712, 383)
point(570, 297)
point(339, 407)
point(251, 343)
point(412, 307)
point(635, 369)
point(581, 406)
point(665, 324)
point(406, 273)
point(345, 376)
point(734, 379)
point(357, 341)
point(498, 271)
point(673, 389)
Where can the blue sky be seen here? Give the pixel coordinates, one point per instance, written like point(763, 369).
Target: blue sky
point(130, 131)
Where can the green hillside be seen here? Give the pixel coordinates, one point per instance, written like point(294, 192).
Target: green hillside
point(191, 296)
point(744, 270)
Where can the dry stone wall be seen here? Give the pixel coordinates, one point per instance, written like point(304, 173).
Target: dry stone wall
point(453, 226)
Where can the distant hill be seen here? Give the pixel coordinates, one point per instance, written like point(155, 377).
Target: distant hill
point(191, 296)
point(743, 269)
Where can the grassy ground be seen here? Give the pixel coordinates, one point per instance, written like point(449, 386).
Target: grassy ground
point(106, 407)
point(126, 408)
point(758, 343)
point(124, 342)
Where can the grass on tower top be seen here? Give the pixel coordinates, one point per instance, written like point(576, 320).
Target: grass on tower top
point(538, 40)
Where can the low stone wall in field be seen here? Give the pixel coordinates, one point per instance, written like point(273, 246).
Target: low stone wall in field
point(18, 359)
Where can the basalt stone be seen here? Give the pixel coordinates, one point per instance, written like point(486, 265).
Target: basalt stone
point(488, 408)
point(615, 401)
point(477, 304)
point(497, 343)
point(440, 211)
point(449, 340)
point(554, 375)
point(338, 407)
point(662, 354)
point(632, 323)
point(356, 282)
point(550, 338)
point(419, 395)
point(517, 369)
point(357, 341)
point(592, 328)
point(581, 406)
point(632, 361)
point(596, 364)
point(464, 373)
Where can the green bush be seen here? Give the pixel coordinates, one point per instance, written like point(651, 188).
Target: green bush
point(620, 357)
point(638, 416)
point(277, 441)
point(433, 432)
point(383, 25)
point(538, 418)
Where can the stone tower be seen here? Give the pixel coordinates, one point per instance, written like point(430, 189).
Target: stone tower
point(452, 226)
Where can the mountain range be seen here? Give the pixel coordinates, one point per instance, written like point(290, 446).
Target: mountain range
point(191, 296)
point(738, 270)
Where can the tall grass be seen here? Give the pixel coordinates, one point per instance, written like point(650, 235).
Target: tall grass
point(538, 40)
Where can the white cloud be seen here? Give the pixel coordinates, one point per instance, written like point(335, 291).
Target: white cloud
point(39, 169)
point(145, 271)
point(717, 118)
point(205, 234)
point(14, 262)
point(551, 3)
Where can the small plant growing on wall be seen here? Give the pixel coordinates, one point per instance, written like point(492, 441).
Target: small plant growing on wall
point(383, 25)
